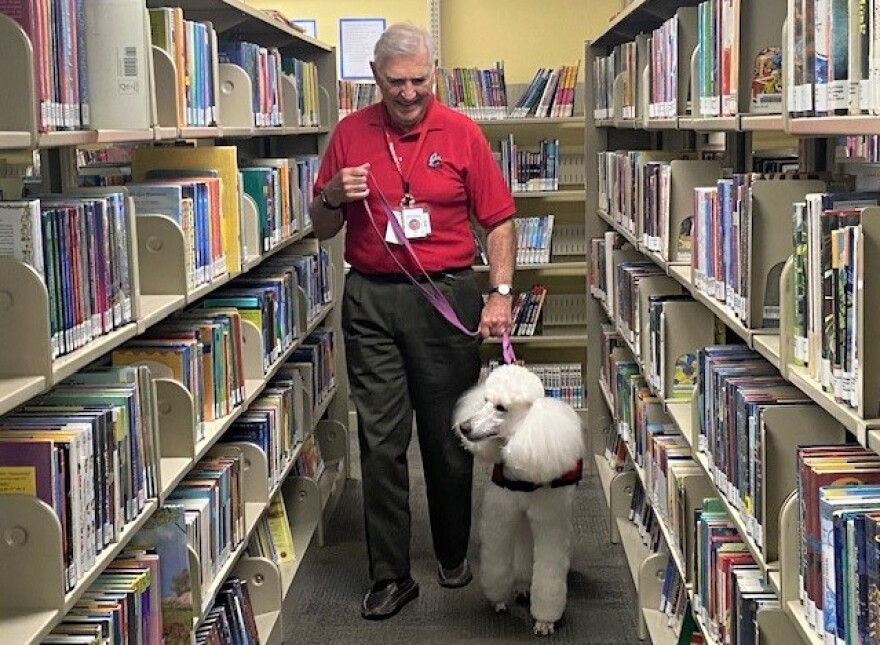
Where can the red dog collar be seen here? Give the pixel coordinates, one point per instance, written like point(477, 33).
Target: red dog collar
point(570, 478)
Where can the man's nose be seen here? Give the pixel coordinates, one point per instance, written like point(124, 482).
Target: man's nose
point(409, 91)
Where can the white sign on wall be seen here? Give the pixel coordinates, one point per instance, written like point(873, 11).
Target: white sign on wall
point(357, 38)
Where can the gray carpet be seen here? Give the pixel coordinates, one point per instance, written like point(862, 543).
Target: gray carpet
point(323, 606)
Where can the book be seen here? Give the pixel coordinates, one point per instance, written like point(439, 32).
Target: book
point(30, 468)
point(221, 160)
point(279, 529)
point(21, 233)
point(119, 89)
point(165, 534)
point(767, 84)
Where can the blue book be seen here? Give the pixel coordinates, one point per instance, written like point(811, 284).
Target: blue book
point(837, 499)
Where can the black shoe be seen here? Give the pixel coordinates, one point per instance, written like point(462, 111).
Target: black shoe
point(388, 597)
point(455, 577)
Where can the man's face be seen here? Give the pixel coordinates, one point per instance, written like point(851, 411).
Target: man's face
point(405, 83)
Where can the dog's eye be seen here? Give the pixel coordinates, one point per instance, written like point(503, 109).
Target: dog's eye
point(500, 408)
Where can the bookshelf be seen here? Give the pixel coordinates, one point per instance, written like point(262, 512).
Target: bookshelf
point(822, 420)
point(159, 289)
point(562, 337)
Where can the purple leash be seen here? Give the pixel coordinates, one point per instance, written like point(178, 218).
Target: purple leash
point(507, 349)
point(433, 294)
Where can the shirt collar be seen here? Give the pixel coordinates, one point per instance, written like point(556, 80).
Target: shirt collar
point(431, 121)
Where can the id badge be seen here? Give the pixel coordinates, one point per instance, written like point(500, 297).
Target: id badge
point(415, 221)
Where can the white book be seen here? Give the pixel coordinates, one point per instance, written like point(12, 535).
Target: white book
point(119, 84)
point(198, 520)
point(21, 233)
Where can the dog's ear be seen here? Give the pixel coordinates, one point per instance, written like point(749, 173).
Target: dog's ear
point(546, 443)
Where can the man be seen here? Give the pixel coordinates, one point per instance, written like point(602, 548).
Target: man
point(435, 169)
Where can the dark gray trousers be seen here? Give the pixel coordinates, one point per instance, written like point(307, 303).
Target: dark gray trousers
point(404, 357)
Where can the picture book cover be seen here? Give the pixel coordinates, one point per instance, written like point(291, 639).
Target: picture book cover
point(165, 534)
point(684, 377)
point(21, 233)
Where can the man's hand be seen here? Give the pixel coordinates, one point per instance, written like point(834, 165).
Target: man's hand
point(348, 185)
point(495, 319)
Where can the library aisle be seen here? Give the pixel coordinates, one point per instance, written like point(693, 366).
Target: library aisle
point(323, 606)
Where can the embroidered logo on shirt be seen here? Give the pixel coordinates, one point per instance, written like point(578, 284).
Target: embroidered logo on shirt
point(434, 160)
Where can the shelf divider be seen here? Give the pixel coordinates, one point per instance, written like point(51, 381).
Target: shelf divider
point(160, 249)
point(774, 626)
point(868, 299)
point(19, 103)
point(771, 241)
point(651, 574)
point(622, 489)
point(166, 90)
point(250, 231)
point(264, 588)
point(236, 97)
point(24, 322)
point(700, 323)
point(30, 555)
point(785, 428)
point(685, 175)
point(650, 286)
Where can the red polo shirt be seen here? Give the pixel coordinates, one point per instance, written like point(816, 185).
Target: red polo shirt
point(454, 173)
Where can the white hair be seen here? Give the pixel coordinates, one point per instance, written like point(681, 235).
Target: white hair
point(507, 418)
point(403, 39)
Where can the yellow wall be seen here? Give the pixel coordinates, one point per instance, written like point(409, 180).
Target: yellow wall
point(525, 34)
point(328, 12)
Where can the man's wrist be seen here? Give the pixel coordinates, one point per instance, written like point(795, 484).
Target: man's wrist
point(326, 203)
point(504, 289)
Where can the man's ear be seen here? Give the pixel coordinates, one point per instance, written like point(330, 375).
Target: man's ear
point(373, 69)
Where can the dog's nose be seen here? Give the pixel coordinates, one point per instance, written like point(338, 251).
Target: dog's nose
point(465, 428)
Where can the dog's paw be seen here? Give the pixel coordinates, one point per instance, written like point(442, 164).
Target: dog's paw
point(499, 607)
point(542, 628)
point(521, 594)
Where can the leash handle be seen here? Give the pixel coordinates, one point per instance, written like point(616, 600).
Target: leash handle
point(507, 349)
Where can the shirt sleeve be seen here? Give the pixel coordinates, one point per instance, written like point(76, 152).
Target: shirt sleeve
point(490, 198)
point(331, 163)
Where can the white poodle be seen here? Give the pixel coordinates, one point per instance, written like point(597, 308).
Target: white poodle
point(536, 444)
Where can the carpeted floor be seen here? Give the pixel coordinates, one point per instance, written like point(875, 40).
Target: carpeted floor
point(323, 606)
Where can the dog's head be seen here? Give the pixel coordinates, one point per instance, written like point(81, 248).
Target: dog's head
point(490, 410)
point(507, 418)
